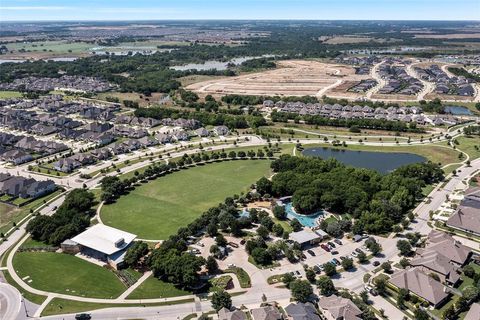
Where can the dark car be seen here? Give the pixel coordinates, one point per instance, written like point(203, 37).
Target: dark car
point(338, 241)
point(343, 258)
point(359, 250)
point(334, 252)
point(311, 252)
point(331, 244)
point(335, 260)
point(324, 247)
point(376, 263)
point(83, 316)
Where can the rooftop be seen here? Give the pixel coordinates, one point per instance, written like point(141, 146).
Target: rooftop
point(105, 239)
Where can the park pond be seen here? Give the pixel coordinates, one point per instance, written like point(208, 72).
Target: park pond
point(458, 111)
point(383, 162)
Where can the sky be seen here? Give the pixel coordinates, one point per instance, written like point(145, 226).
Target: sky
point(28, 10)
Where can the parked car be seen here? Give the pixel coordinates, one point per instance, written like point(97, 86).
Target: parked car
point(231, 265)
point(354, 254)
point(242, 242)
point(343, 258)
point(334, 252)
point(311, 252)
point(233, 244)
point(376, 263)
point(325, 247)
point(335, 260)
point(298, 273)
point(320, 266)
point(200, 244)
point(83, 316)
point(359, 250)
point(338, 241)
point(331, 244)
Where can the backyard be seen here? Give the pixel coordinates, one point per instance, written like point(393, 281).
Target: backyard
point(158, 208)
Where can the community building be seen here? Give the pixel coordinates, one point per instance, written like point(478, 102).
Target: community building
point(102, 243)
point(307, 237)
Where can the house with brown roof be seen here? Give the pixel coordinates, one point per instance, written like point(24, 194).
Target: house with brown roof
point(473, 313)
point(225, 314)
point(266, 313)
point(433, 262)
point(467, 215)
point(444, 244)
point(338, 308)
point(422, 285)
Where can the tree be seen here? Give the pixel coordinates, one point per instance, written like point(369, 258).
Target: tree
point(211, 264)
point(326, 286)
point(310, 275)
point(212, 229)
point(347, 264)
point(449, 313)
point(381, 285)
point(262, 232)
point(404, 262)
point(387, 267)
point(402, 296)
point(279, 212)
point(287, 278)
point(420, 314)
point(471, 293)
point(221, 299)
point(220, 240)
point(330, 269)
point(362, 257)
point(405, 247)
point(277, 229)
point(261, 256)
point(469, 271)
point(296, 225)
point(135, 252)
point(301, 290)
point(364, 296)
point(264, 186)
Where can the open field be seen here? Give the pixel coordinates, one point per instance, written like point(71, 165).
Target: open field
point(67, 274)
point(63, 306)
point(468, 144)
point(292, 78)
point(10, 94)
point(449, 36)
point(158, 208)
point(153, 288)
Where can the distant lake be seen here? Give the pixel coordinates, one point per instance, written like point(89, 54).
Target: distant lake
point(458, 110)
point(383, 162)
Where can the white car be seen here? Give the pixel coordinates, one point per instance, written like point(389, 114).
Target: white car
point(231, 265)
point(354, 254)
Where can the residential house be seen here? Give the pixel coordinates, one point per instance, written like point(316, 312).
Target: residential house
point(444, 244)
point(422, 285)
point(433, 262)
point(266, 313)
point(473, 313)
point(221, 130)
point(301, 311)
point(467, 215)
point(38, 189)
point(338, 308)
point(66, 165)
point(16, 156)
point(225, 314)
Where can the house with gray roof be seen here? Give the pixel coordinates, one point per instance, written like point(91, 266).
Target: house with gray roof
point(422, 285)
point(446, 245)
point(225, 314)
point(16, 156)
point(467, 215)
point(266, 313)
point(473, 313)
point(434, 262)
point(338, 308)
point(301, 311)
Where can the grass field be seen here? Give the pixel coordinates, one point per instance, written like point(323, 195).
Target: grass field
point(10, 94)
point(157, 209)
point(153, 288)
point(467, 144)
point(67, 274)
point(62, 306)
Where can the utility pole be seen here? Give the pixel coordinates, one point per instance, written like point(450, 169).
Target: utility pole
point(25, 307)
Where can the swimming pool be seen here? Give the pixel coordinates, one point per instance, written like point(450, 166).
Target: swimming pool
point(306, 220)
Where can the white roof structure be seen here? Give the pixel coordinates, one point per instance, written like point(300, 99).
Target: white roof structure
point(104, 239)
point(305, 236)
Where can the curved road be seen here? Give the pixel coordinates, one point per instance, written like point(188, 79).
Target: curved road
point(10, 302)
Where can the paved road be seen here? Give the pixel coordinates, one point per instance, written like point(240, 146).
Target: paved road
point(10, 302)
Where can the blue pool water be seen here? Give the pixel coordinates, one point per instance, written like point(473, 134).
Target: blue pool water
point(306, 221)
point(244, 213)
point(458, 110)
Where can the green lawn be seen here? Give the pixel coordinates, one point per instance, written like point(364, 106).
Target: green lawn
point(10, 94)
point(67, 274)
point(467, 144)
point(62, 306)
point(156, 210)
point(153, 288)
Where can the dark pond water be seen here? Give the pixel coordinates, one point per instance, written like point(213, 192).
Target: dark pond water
point(383, 162)
point(458, 110)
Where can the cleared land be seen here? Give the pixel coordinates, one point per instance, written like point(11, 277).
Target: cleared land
point(158, 208)
point(292, 78)
point(67, 274)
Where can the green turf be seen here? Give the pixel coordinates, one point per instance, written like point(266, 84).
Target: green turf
point(57, 272)
point(153, 288)
point(158, 208)
point(63, 306)
point(10, 94)
point(468, 144)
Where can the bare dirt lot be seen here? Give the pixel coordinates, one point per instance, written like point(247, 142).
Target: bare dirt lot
point(449, 36)
point(292, 78)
